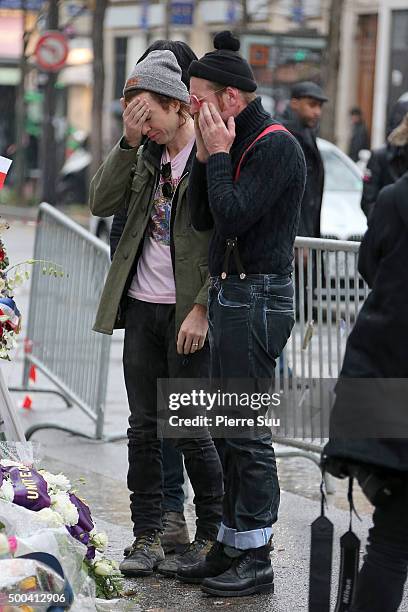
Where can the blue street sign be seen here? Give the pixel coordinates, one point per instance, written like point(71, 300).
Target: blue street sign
point(232, 13)
point(182, 13)
point(30, 5)
point(144, 17)
point(298, 13)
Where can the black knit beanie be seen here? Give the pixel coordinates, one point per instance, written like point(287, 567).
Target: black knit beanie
point(225, 65)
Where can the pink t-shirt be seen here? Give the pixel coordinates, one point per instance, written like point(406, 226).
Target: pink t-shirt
point(154, 279)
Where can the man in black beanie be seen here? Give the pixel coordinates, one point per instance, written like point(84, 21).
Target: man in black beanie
point(246, 183)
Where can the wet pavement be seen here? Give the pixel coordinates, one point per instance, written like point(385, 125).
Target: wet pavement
point(103, 465)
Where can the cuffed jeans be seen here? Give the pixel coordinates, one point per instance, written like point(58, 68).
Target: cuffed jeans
point(250, 322)
point(381, 580)
point(150, 353)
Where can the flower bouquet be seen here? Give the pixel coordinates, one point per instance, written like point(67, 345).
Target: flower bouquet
point(54, 501)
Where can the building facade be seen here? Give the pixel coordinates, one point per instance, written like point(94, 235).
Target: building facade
point(374, 64)
point(283, 40)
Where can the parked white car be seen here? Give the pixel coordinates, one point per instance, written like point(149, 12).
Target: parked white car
point(341, 216)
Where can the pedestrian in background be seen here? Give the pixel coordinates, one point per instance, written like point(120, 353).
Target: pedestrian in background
point(359, 135)
point(247, 185)
point(386, 163)
point(175, 533)
point(157, 289)
point(301, 118)
point(377, 349)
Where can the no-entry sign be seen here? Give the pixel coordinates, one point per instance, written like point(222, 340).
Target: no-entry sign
point(51, 51)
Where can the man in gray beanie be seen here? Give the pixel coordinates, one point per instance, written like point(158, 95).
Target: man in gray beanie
point(157, 290)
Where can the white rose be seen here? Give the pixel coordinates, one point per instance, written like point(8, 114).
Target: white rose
point(52, 518)
point(102, 568)
point(56, 481)
point(62, 504)
point(99, 540)
point(11, 342)
point(4, 545)
point(7, 490)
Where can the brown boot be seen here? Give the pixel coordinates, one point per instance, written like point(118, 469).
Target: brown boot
point(175, 533)
point(144, 555)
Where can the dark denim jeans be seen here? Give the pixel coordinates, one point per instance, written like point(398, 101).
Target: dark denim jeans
point(150, 353)
point(250, 322)
point(381, 580)
point(173, 478)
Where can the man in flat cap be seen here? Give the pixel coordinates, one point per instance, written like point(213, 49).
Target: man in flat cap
point(302, 118)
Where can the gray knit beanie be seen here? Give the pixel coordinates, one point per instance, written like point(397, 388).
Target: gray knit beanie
point(158, 72)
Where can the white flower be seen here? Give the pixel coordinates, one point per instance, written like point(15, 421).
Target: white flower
point(10, 342)
point(99, 540)
point(4, 545)
point(7, 490)
point(52, 518)
point(2, 284)
point(102, 568)
point(56, 481)
point(62, 504)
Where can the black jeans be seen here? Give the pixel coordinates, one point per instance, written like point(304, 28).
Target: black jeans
point(250, 322)
point(150, 353)
point(381, 580)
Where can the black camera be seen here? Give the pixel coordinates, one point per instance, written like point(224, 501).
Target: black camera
point(378, 485)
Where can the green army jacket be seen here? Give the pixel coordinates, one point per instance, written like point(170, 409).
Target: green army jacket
point(128, 177)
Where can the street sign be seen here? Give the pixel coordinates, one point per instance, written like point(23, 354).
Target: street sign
point(30, 5)
point(182, 13)
point(259, 55)
point(51, 51)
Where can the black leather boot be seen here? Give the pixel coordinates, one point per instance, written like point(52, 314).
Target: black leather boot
point(250, 573)
point(216, 562)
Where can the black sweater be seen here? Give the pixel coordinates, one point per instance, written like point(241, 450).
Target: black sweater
point(262, 207)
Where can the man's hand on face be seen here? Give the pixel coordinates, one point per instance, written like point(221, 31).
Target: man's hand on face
point(134, 115)
point(193, 331)
point(202, 153)
point(217, 136)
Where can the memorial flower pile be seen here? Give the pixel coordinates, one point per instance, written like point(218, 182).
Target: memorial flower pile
point(52, 497)
point(10, 278)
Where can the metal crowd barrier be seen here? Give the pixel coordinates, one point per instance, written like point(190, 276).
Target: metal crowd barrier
point(329, 294)
point(61, 342)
